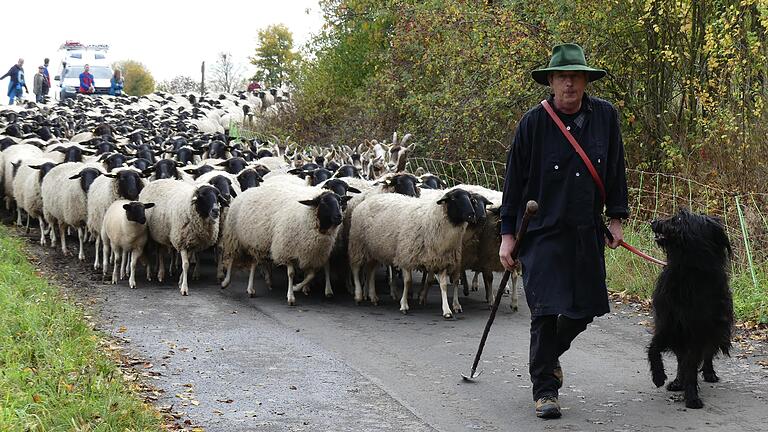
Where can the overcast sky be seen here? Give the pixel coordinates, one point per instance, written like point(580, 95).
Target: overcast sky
point(171, 37)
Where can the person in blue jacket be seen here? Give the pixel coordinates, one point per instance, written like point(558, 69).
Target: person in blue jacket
point(117, 83)
point(16, 73)
point(562, 254)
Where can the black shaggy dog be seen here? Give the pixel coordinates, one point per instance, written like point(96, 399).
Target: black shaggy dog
point(692, 303)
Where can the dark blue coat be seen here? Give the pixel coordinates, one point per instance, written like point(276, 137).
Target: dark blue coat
point(562, 254)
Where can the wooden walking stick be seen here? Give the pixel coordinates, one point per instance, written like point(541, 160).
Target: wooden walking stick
point(530, 209)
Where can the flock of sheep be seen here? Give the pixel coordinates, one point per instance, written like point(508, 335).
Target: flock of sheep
point(155, 180)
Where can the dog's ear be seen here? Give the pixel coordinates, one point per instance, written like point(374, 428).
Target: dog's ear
point(720, 236)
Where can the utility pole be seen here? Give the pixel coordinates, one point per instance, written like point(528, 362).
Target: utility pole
point(202, 79)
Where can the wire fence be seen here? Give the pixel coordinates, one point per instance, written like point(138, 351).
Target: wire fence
point(651, 195)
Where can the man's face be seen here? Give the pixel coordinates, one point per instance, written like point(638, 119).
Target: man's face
point(568, 86)
point(21, 62)
point(87, 68)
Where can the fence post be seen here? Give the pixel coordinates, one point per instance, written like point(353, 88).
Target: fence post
point(746, 241)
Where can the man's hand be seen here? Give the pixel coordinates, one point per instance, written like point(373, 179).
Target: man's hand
point(618, 235)
point(505, 252)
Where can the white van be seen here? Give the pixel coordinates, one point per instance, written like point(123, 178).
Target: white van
point(70, 79)
point(72, 58)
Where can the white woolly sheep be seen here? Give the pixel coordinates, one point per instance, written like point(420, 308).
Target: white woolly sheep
point(11, 158)
point(295, 226)
point(125, 232)
point(26, 189)
point(185, 218)
point(409, 233)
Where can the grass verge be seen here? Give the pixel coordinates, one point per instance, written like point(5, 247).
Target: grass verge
point(53, 376)
point(631, 275)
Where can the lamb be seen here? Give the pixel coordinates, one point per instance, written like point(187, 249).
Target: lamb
point(125, 231)
point(418, 233)
point(64, 200)
point(185, 218)
point(296, 226)
point(26, 189)
point(125, 183)
point(11, 157)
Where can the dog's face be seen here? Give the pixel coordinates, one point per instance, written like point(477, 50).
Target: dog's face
point(693, 238)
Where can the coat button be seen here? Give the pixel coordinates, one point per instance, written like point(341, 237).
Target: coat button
point(567, 128)
point(598, 160)
point(557, 167)
point(577, 174)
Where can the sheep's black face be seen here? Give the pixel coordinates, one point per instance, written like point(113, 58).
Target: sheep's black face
point(141, 164)
point(224, 185)
point(327, 209)
point(248, 179)
point(105, 147)
point(73, 154)
point(44, 133)
point(44, 168)
point(6, 142)
point(332, 166)
point(478, 204)
point(458, 205)
point(263, 153)
point(146, 154)
point(431, 182)
point(185, 155)
point(166, 169)
point(86, 177)
point(234, 165)
point(129, 184)
point(135, 211)
point(347, 171)
point(320, 175)
point(696, 239)
point(405, 184)
point(217, 150)
point(206, 201)
point(114, 160)
point(339, 187)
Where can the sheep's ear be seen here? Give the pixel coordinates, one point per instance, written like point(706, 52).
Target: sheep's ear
point(148, 171)
point(148, 205)
point(110, 175)
point(496, 211)
point(310, 203)
point(75, 177)
point(483, 199)
point(445, 198)
point(37, 167)
point(223, 200)
point(127, 206)
point(233, 193)
point(179, 164)
point(353, 190)
point(345, 198)
point(222, 163)
point(59, 149)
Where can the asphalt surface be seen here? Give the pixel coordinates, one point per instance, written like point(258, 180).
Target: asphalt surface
point(234, 363)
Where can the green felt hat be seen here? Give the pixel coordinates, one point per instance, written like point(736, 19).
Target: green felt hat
point(566, 57)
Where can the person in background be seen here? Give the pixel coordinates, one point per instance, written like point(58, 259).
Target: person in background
point(254, 87)
point(16, 73)
point(47, 76)
point(86, 81)
point(116, 84)
point(39, 85)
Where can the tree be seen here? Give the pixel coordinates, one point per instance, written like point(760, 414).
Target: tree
point(178, 84)
point(138, 80)
point(275, 60)
point(227, 76)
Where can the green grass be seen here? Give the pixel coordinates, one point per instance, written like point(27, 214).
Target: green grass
point(53, 375)
point(632, 275)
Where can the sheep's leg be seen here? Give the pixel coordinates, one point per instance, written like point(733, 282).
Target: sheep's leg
point(291, 298)
point(51, 225)
point(26, 229)
point(267, 272)
point(328, 287)
point(425, 288)
point(135, 254)
point(105, 246)
point(42, 230)
point(464, 282)
point(81, 239)
point(442, 278)
point(123, 262)
point(196, 271)
point(358, 285)
point(304, 284)
point(228, 276)
point(116, 264)
point(392, 283)
point(63, 231)
point(127, 263)
point(456, 305)
point(407, 282)
point(476, 281)
point(516, 279)
point(488, 282)
point(372, 284)
point(97, 255)
point(219, 265)
point(160, 265)
point(19, 220)
point(251, 291)
point(183, 287)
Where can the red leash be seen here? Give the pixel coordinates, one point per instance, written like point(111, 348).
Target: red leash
point(596, 178)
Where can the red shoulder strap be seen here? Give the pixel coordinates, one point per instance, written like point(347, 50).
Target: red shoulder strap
point(576, 147)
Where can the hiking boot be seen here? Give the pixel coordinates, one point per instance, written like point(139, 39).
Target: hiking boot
point(558, 373)
point(548, 408)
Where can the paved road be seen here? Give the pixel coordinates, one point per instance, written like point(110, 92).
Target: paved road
point(239, 363)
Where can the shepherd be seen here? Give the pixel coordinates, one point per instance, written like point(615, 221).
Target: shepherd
point(562, 256)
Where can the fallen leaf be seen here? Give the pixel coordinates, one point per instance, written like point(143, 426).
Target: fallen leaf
point(122, 329)
point(36, 398)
